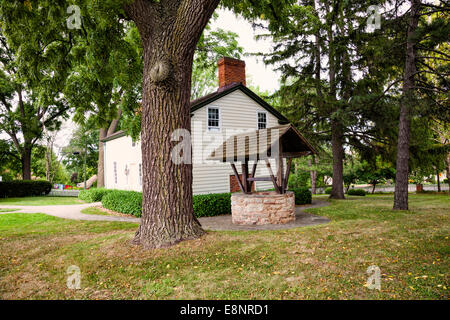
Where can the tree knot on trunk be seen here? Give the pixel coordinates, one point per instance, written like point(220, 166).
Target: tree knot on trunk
point(160, 71)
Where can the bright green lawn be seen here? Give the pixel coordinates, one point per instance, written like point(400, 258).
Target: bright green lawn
point(94, 211)
point(7, 210)
point(321, 262)
point(40, 201)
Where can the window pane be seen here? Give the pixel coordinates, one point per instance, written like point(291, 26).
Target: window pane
point(262, 120)
point(213, 118)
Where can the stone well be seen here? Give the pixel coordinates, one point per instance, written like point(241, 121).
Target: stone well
point(262, 208)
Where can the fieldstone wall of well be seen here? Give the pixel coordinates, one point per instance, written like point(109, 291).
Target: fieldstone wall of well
point(262, 208)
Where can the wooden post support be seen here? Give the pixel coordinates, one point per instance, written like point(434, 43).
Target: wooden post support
point(236, 174)
point(279, 160)
point(245, 175)
point(274, 181)
point(253, 175)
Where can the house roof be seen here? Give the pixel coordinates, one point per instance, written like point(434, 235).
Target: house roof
point(115, 135)
point(203, 101)
point(257, 145)
point(221, 92)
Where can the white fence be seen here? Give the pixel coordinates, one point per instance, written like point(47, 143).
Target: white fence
point(64, 193)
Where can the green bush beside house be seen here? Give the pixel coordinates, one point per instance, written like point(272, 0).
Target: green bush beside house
point(210, 205)
point(127, 202)
point(93, 194)
point(130, 202)
point(205, 205)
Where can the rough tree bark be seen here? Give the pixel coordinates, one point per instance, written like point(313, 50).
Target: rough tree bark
point(101, 159)
point(401, 179)
point(447, 169)
point(438, 180)
point(26, 161)
point(337, 190)
point(169, 32)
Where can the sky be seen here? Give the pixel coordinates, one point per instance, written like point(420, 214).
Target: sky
point(258, 74)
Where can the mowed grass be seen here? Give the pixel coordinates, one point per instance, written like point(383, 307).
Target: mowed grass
point(40, 201)
point(7, 210)
point(94, 211)
point(320, 262)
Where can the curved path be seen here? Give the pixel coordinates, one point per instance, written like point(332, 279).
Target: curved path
point(69, 212)
point(219, 223)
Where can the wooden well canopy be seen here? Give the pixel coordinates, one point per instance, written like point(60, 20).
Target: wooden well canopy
point(279, 143)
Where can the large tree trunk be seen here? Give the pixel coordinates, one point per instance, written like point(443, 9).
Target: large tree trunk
point(337, 190)
point(447, 169)
point(101, 159)
point(26, 162)
point(169, 31)
point(401, 179)
point(438, 180)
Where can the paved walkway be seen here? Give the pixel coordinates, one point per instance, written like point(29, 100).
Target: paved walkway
point(219, 223)
point(70, 212)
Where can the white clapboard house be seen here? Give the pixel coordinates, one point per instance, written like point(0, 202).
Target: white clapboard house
point(231, 110)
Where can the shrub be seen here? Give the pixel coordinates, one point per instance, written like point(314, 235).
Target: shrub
point(445, 181)
point(130, 202)
point(24, 188)
point(210, 205)
point(93, 195)
point(328, 190)
point(356, 192)
point(127, 202)
point(302, 196)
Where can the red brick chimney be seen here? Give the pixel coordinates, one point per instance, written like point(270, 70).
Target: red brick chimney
point(231, 71)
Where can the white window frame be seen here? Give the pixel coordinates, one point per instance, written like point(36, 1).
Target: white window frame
point(257, 119)
point(213, 129)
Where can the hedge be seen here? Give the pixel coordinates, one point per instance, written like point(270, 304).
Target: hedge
point(130, 202)
point(93, 195)
point(210, 205)
point(24, 188)
point(356, 192)
point(127, 202)
point(328, 190)
point(302, 196)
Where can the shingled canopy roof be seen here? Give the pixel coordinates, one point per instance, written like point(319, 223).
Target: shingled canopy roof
point(281, 142)
point(258, 145)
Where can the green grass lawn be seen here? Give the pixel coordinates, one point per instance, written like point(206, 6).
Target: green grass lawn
point(40, 201)
point(94, 211)
point(320, 262)
point(7, 210)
